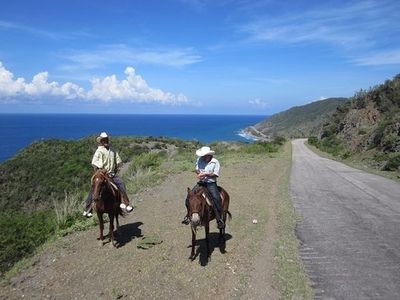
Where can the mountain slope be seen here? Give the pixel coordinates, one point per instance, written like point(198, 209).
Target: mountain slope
point(298, 121)
point(368, 125)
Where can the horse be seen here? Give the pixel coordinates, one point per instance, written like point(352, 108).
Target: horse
point(201, 213)
point(107, 199)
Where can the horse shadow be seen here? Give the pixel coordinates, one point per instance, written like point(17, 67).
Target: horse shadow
point(201, 250)
point(127, 232)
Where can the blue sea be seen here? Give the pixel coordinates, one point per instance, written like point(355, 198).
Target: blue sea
point(19, 130)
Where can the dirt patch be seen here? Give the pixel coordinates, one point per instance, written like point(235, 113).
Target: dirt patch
point(77, 267)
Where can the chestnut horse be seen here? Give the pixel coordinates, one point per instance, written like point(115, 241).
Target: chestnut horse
point(201, 213)
point(107, 199)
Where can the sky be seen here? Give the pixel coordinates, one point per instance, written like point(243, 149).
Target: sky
point(191, 56)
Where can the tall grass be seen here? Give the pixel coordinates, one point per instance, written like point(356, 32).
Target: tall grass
point(67, 210)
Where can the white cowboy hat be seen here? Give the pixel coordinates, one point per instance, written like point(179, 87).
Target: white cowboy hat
point(103, 135)
point(204, 151)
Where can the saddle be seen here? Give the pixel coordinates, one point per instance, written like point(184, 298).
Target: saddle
point(207, 196)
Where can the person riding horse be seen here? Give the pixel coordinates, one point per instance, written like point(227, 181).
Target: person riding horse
point(207, 170)
point(109, 160)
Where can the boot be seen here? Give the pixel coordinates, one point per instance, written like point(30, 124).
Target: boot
point(220, 222)
point(125, 203)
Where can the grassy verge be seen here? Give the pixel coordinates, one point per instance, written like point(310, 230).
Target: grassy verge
point(290, 276)
point(357, 162)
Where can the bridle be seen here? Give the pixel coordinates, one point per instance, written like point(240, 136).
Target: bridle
point(101, 175)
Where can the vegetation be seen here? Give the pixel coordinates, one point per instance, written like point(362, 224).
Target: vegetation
point(22, 233)
point(45, 184)
point(366, 128)
point(300, 121)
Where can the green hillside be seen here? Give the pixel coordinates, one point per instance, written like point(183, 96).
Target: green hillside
point(299, 121)
point(367, 127)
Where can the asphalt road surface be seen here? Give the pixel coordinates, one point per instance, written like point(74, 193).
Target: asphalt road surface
point(350, 228)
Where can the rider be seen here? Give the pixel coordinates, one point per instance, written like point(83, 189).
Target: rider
point(207, 170)
point(108, 159)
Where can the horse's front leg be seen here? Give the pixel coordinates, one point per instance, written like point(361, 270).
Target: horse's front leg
point(111, 233)
point(207, 230)
point(192, 254)
point(101, 226)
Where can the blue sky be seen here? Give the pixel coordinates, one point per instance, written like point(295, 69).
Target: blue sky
point(191, 56)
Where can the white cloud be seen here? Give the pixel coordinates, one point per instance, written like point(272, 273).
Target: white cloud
point(134, 89)
point(258, 103)
point(108, 89)
point(391, 57)
point(350, 25)
point(6, 25)
point(114, 54)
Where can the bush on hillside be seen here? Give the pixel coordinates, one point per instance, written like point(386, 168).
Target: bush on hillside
point(22, 233)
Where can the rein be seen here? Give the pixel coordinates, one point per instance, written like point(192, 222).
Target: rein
point(108, 180)
point(204, 205)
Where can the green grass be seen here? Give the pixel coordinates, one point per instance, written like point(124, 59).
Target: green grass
point(290, 276)
point(368, 162)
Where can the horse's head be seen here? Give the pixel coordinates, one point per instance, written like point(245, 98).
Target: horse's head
point(196, 206)
point(98, 181)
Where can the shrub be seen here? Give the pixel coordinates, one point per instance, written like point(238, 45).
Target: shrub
point(260, 147)
point(279, 140)
point(313, 140)
point(22, 233)
point(393, 163)
point(362, 131)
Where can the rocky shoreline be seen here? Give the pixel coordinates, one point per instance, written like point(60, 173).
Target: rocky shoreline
point(251, 133)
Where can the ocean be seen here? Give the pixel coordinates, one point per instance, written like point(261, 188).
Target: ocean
point(20, 130)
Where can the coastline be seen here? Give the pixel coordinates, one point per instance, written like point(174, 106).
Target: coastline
point(251, 133)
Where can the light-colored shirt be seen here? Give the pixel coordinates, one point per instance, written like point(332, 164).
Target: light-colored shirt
point(212, 167)
point(107, 159)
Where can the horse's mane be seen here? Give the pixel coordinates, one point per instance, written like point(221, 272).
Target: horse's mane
point(103, 173)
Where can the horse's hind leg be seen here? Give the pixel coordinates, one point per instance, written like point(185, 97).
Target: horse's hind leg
point(207, 230)
point(117, 222)
point(222, 240)
point(111, 233)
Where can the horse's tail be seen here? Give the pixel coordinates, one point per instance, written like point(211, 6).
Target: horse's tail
point(229, 215)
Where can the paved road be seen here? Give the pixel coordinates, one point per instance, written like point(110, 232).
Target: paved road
point(350, 228)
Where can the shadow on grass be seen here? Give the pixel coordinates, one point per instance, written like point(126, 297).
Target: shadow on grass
point(128, 232)
point(201, 250)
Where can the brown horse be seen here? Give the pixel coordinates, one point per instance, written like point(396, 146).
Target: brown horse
point(201, 213)
point(106, 198)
